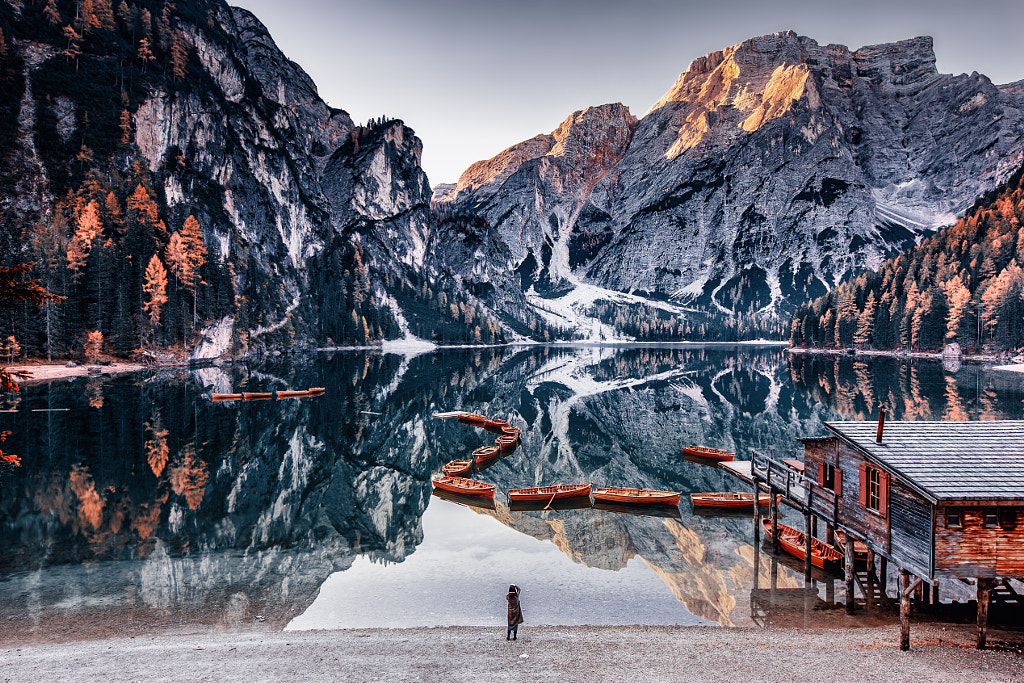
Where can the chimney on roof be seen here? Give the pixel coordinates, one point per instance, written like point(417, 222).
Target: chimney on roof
point(881, 423)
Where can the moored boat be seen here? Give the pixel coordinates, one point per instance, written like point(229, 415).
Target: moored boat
point(708, 453)
point(457, 468)
point(256, 395)
point(509, 430)
point(728, 501)
point(506, 443)
point(628, 496)
point(472, 419)
point(860, 549)
point(464, 487)
point(226, 397)
point(486, 453)
point(543, 493)
point(495, 426)
point(792, 541)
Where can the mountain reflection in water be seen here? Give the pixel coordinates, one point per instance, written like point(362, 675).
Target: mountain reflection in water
point(145, 505)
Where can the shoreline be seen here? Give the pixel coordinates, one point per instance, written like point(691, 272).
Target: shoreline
point(917, 355)
point(541, 653)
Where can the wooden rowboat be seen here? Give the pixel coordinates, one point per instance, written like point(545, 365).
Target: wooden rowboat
point(457, 468)
point(506, 444)
point(464, 487)
point(472, 419)
point(486, 453)
point(251, 396)
point(860, 549)
point(226, 397)
point(618, 494)
point(511, 431)
point(495, 426)
point(255, 396)
point(546, 493)
point(728, 501)
point(708, 453)
point(791, 540)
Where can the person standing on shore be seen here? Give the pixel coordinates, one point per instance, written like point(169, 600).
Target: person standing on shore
point(515, 612)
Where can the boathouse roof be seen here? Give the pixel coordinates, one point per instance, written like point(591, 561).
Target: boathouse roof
point(947, 460)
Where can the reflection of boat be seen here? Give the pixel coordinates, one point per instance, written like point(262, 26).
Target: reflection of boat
point(638, 510)
point(792, 542)
point(465, 487)
point(495, 426)
point(472, 419)
point(262, 395)
point(860, 549)
point(471, 501)
point(486, 453)
point(548, 505)
point(547, 493)
point(618, 494)
point(506, 444)
point(728, 501)
point(708, 453)
point(457, 468)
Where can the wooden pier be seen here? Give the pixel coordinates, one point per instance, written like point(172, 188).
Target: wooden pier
point(939, 500)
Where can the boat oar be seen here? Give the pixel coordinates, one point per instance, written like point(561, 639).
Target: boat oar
point(552, 499)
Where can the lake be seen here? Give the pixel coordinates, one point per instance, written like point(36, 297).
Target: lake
point(141, 505)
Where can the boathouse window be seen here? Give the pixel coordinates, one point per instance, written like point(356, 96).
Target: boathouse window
point(991, 518)
point(874, 489)
point(1008, 518)
point(829, 477)
point(953, 518)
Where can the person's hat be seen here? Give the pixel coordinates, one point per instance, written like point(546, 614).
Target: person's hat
point(512, 588)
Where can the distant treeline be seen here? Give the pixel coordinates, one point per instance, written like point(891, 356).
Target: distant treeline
point(964, 284)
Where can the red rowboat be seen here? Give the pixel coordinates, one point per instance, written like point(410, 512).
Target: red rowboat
point(465, 487)
point(511, 431)
point(543, 493)
point(730, 501)
point(457, 468)
point(792, 541)
point(486, 453)
point(708, 453)
point(472, 419)
point(860, 549)
point(618, 494)
point(226, 397)
point(506, 444)
point(495, 426)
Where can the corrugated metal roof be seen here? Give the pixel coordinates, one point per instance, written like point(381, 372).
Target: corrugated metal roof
point(948, 460)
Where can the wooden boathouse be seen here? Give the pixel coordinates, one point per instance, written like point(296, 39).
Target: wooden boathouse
point(939, 500)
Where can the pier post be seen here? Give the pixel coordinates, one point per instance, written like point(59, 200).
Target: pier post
point(848, 568)
point(935, 594)
point(883, 576)
point(830, 534)
point(904, 589)
point(757, 531)
point(984, 594)
point(775, 519)
point(808, 536)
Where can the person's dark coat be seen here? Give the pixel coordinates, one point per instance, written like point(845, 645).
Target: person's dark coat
point(515, 611)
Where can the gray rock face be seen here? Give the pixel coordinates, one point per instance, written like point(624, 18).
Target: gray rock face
point(768, 172)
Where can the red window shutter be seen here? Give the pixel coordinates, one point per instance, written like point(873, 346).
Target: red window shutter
point(839, 482)
point(863, 485)
point(821, 473)
point(883, 494)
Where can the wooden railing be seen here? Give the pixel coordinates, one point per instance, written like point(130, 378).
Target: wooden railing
point(798, 488)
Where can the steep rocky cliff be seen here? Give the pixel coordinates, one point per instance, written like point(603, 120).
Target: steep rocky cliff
point(767, 173)
point(318, 224)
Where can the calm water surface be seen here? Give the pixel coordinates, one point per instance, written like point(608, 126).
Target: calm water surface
point(142, 505)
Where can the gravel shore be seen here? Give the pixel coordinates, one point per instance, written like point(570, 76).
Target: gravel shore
point(565, 654)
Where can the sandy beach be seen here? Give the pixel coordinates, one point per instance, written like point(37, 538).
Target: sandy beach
point(938, 653)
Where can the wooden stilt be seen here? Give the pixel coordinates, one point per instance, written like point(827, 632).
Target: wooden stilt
point(848, 568)
point(935, 594)
point(883, 573)
point(984, 593)
point(814, 527)
point(807, 546)
point(775, 520)
point(757, 533)
point(830, 534)
point(904, 590)
point(830, 591)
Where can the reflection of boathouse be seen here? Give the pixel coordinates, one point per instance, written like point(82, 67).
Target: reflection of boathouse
point(940, 500)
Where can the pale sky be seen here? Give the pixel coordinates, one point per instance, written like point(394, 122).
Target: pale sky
point(472, 77)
